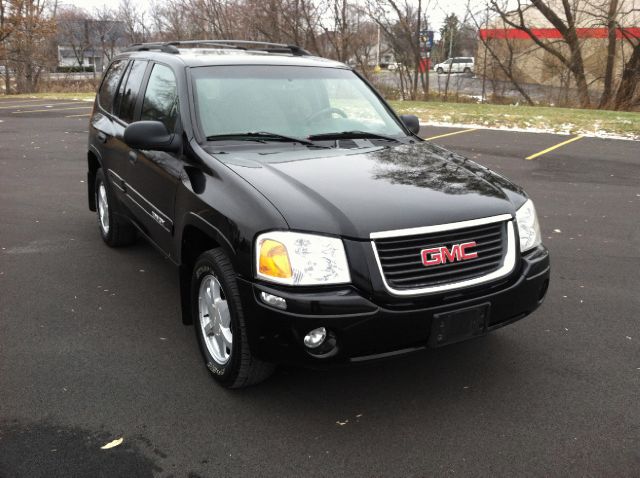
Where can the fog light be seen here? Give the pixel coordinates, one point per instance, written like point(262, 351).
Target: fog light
point(273, 300)
point(315, 338)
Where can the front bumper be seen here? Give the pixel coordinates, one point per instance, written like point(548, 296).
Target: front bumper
point(367, 328)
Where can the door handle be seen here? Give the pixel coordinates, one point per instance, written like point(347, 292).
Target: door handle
point(133, 157)
point(102, 137)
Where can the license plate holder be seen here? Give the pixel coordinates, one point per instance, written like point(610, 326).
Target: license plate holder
point(457, 325)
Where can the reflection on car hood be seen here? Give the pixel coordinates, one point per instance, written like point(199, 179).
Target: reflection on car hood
point(356, 192)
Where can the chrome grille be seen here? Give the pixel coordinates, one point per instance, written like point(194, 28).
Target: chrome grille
point(400, 260)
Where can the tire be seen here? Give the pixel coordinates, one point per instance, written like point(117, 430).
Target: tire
point(223, 341)
point(440, 71)
point(467, 70)
point(115, 230)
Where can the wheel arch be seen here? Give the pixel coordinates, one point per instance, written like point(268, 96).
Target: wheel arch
point(197, 236)
point(93, 164)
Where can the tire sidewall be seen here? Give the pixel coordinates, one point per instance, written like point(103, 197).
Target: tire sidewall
point(205, 266)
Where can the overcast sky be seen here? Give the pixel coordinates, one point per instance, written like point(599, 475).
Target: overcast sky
point(436, 12)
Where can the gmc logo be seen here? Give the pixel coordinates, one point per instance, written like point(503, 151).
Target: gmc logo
point(442, 255)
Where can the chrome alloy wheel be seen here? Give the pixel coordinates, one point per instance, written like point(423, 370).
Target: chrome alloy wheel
point(215, 319)
point(103, 209)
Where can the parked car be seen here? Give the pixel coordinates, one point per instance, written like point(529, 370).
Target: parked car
point(461, 64)
point(307, 221)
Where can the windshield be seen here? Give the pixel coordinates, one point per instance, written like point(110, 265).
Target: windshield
point(287, 100)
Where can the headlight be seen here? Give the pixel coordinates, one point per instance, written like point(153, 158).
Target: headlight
point(528, 226)
point(294, 258)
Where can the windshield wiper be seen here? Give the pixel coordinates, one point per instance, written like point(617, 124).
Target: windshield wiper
point(263, 135)
point(352, 135)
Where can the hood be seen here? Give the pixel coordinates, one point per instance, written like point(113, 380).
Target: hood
point(354, 192)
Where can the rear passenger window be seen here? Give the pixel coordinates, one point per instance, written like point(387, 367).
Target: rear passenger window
point(161, 99)
point(130, 91)
point(110, 84)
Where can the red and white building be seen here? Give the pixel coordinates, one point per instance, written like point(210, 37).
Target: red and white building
point(532, 64)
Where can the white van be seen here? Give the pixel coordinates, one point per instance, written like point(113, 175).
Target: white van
point(460, 64)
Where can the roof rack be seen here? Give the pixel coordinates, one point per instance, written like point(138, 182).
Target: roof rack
point(163, 47)
point(172, 46)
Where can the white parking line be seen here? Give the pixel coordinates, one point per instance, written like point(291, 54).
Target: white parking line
point(32, 105)
point(4, 101)
point(52, 109)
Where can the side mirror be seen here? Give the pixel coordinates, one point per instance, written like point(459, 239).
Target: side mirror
point(411, 122)
point(151, 135)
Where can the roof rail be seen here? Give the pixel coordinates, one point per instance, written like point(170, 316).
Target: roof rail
point(172, 46)
point(163, 47)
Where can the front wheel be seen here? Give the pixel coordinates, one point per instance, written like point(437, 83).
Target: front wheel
point(220, 324)
point(439, 71)
point(114, 230)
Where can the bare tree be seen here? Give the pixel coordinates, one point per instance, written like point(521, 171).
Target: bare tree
point(615, 76)
point(611, 23)
point(564, 21)
point(27, 48)
point(6, 29)
point(364, 47)
point(170, 21)
point(616, 16)
point(628, 92)
point(73, 26)
point(288, 21)
point(504, 56)
point(134, 22)
point(340, 29)
point(107, 32)
point(400, 21)
point(209, 18)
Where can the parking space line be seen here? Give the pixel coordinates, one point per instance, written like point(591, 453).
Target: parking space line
point(51, 109)
point(35, 106)
point(559, 145)
point(23, 100)
point(451, 134)
point(77, 116)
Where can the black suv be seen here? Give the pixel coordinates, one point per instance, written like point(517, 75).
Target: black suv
point(309, 222)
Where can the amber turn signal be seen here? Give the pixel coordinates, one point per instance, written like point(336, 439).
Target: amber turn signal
point(274, 259)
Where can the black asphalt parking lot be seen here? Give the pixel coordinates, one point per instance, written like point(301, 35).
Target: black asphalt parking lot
point(92, 348)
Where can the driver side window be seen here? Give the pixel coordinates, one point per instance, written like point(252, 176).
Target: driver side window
point(161, 97)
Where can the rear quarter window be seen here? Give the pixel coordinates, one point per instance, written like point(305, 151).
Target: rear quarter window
point(110, 85)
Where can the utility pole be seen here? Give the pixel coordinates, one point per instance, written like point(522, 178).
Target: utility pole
point(427, 51)
point(377, 68)
point(446, 86)
point(484, 61)
point(418, 56)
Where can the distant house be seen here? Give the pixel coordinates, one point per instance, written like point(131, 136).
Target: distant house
point(70, 58)
point(87, 44)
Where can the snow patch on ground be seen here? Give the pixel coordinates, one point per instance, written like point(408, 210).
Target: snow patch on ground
point(565, 129)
